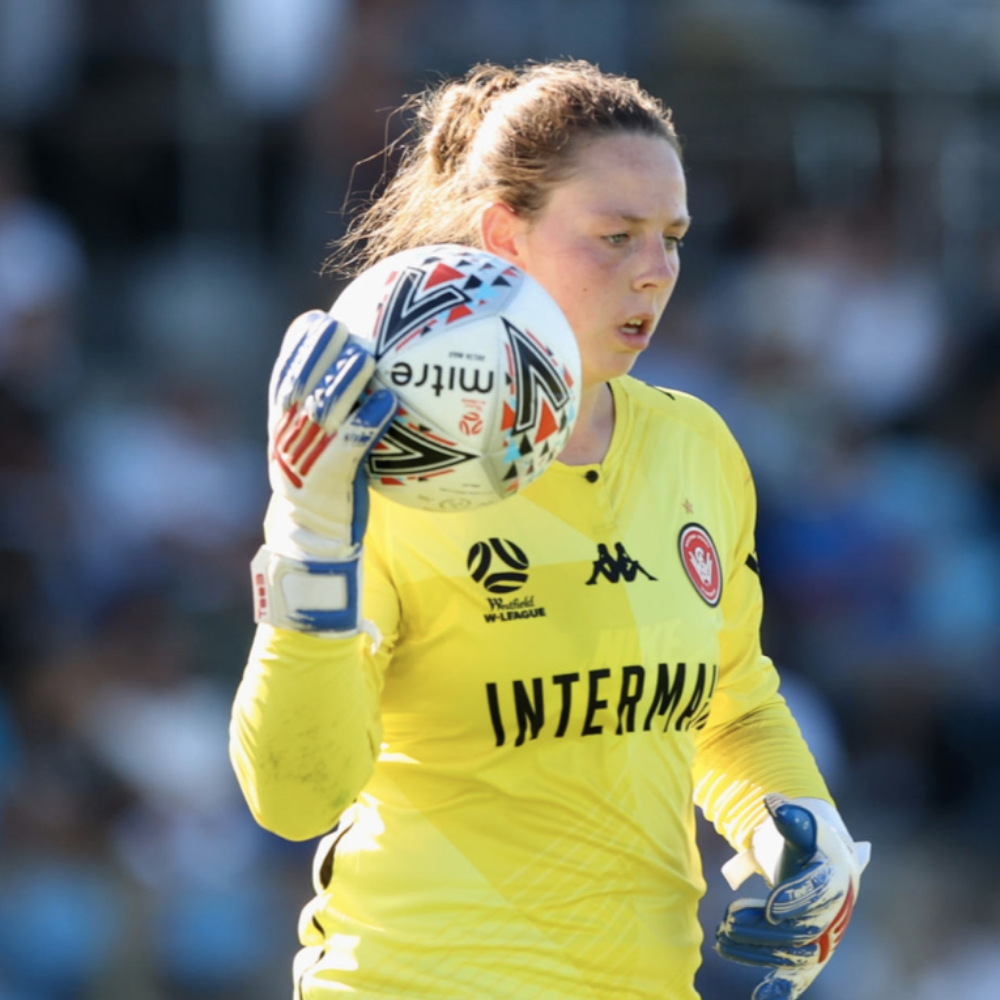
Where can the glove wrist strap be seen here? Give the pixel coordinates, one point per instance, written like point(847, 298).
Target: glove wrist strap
point(317, 597)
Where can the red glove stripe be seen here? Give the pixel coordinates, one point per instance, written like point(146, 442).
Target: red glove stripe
point(286, 419)
point(833, 935)
point(294, 431)
point(292, 476)
point(307, 463)
point(307, 439)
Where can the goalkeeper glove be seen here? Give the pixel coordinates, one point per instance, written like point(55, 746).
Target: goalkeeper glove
point(307, 575)
point(813, 868)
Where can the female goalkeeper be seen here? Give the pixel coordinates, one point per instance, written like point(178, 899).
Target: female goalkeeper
point(508, 801)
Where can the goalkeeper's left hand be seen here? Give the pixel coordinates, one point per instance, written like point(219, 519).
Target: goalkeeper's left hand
point(814, 869)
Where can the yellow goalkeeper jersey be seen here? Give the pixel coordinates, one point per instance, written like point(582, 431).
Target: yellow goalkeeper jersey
point(513, 772)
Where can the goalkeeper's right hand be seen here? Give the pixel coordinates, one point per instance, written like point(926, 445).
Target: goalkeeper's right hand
point(307, 575)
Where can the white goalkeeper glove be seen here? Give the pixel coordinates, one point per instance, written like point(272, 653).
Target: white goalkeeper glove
point(307, 575)
point(813, 868)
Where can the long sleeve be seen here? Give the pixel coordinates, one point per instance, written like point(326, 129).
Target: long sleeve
point(752, 744)
point(305, 730)
point(306, 723)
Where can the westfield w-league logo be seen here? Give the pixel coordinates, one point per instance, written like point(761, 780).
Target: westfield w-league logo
point(501, 566)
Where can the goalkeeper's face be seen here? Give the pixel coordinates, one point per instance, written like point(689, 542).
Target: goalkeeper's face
point(606, 246)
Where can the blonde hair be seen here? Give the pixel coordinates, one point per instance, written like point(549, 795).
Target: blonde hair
point(496, 134)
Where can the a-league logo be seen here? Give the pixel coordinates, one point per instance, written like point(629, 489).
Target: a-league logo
point(499, 565)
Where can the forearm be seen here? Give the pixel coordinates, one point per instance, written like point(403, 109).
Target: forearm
point(305, 730)
point(737, 765)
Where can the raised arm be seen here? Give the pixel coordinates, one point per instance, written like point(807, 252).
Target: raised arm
point(305, 723)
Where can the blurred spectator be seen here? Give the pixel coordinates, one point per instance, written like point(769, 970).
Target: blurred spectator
point(60, 925)
point(168, 490)
point(831, 315)
point(970, 416)
point(39, 51)
point(161, 731)
point(10, 753)
point(62, 905)
point(32, 522)
point(41, 268)
point(272, 55)
point(204, 311)
point(129, 804)
point(882, 358)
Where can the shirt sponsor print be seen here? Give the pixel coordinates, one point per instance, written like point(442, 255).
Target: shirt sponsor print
point(667, 697)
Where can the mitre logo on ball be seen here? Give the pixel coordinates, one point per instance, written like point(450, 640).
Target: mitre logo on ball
point(485, 366)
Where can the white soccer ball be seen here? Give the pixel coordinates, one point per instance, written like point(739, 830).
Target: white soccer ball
point(486, 368)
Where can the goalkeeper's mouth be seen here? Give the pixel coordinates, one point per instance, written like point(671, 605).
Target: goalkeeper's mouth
point(637, 331)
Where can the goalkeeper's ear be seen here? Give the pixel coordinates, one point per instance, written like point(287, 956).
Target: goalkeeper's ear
point(501, 229)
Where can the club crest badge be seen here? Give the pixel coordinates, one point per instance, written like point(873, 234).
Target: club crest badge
point(701, 562)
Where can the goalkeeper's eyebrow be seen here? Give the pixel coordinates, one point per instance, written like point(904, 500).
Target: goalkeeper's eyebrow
point(681, 222)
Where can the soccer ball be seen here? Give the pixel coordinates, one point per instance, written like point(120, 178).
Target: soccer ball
point(485, 366)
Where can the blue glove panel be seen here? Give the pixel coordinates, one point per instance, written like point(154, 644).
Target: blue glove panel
point(796, 929)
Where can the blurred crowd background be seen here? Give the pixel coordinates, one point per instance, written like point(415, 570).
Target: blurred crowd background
point(171, 174)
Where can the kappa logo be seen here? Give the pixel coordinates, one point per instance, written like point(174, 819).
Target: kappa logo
point(620, 566)
point(701, 562)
